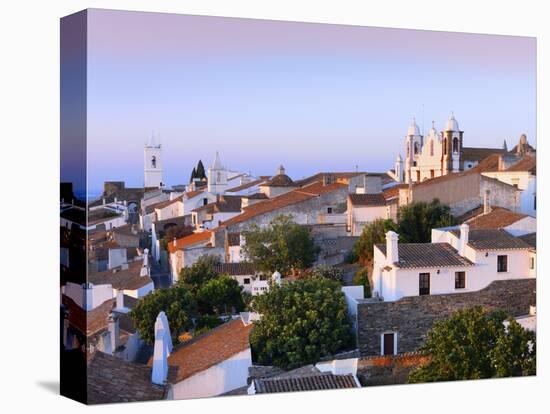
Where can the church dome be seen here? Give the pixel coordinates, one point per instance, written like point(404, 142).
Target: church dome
point(452, 124)
point(281, 179)
point(413, 129)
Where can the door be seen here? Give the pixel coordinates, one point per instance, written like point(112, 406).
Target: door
point(388, 344)
point(424, 284)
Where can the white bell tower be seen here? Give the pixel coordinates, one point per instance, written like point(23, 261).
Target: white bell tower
point(217, 176)
point(152, 164)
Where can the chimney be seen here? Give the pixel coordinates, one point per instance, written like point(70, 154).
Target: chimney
point(175, 243)
point(392, 249)
point(116, 200)
point(464, 232)
point(119, 299)
point(162, 349)
point(486, 205)
point(114, 331)
point(104, 201)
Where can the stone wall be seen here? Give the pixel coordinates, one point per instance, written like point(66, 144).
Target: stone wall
point(412, 317)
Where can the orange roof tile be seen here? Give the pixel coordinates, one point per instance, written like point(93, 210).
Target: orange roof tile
point(189, 240)
point(292, 197)
point(528, 163)
point(205, 351)
point(498, 218)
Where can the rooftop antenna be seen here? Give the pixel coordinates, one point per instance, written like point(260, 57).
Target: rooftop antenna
point(422, 119)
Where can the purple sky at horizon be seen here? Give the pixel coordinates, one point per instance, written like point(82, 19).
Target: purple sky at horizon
point(314, 97)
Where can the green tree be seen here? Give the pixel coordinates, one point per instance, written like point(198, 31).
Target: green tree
point(361, 277)
point(220, 296)
point(301, 322)
point(200, 171)
point(204, 323)
point(373, 233)
point(283, 246)
point(178, 304)
point(174, 232)
point(416, 220)
point(473, 344)
point(193, 175)
point(199, 273)
point(326, 272)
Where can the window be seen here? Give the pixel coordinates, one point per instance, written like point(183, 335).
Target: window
point(535, 202)
point(432, 173)
point(204, 201)
point(460, 280)
point(532, 262)
point(389, 344)
point(154, 161)
point(415, 148)
point(424, 284)
point(455, 145)
point(444, 146)
point(432, 147)
point(502, 263)
point(246, 281)
point(329, 210)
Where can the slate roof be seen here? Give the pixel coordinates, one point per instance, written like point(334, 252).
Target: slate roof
point(415, 255)
point(321, 381)
point(292, 197)
point(492, 239)
point(235, 269)
point(530, 239)
point(498, 217)
point(128, 279)
point(190, 240)
point(477, 154)
point(367, 200)
point(209, 349)
point(112, 379)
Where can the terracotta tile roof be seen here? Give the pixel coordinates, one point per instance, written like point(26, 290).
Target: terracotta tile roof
point(493, 239)
point(393, 191)
point(112, 379)
point(345, 176)
point(292, 197)
point(209, 349)
point(415, 255)
point(528, 163)
point(235, 269)
point(498, 218)
point(88, 323)
point(128, 279)
point(279, 180)
point(488, 164)
point(321, 381)
point(369, 200)
point(167, 203)
point(245, 186)
point(226, 204)
point(192, 194)
point(190, 240)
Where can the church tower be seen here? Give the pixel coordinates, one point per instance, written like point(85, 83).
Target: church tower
point(152, 164)
point(452, 147)
point(399, 168)
point(217, 176)
point(413, 144)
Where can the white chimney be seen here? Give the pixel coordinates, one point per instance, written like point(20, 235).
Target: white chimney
point(114, 331)
point(120, 300)
point(145, 257)
point(175, 242)
point(463, 242)
point(486, 206)
point(162, 349)
point(392, 249)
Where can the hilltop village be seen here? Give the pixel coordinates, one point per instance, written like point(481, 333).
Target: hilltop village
point(186, 284)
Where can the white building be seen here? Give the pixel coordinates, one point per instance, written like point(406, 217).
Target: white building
point(460, 261)
point(217, 176)
point(208, 365)
point(152, 165)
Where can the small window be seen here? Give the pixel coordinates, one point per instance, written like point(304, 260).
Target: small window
point(204, 201)
point(460, 280)
point(246, 281)
point(329, 210)
point(389, 344)
point(455, 145)
point(415, 148)
point(424, 284)
point(502, 263)
point(532, 262)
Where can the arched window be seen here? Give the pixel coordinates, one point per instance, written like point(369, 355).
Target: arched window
point(455, 145)
point(432, 147)
point(408, 151)
point(219, 177)
point(154, 161)
point(415, 148)
point(444, 146)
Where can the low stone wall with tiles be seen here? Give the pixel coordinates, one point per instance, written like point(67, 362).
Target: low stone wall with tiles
point(412, 317)
point(389, 370)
